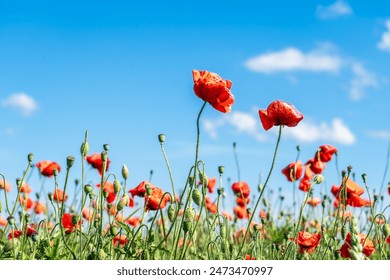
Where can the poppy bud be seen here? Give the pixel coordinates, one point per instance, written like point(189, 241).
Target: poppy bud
point(265, 203)
point(220, 191)
point(161, 138)
point(9, 245)
point(126, 199)
point(18, 180)
point(343, 232)
point(191, 180)
point(259, 187)
point(196, 196)
point(84, 149)
point(87, 188)
point(186, 226)
point(34, 237)
point(221, 169)
point(27, 218)
point(189, 214)
point(55, 172)
point(30, 157)
point(117, 186)
point(109, 206)
point(249, 211)
point(364, 177)
point(11, 220)
point(113, 230)
point(298, 148)
point(69, 161)
point(75, 219)
point(318, 179)
point(386, 230)
point(105, 194)
point(151, 237)
point(106, 147)
point(50, 196)
point(125, 172)
point(203, 179)
point(101, 255)
point(121, 205)
point(171, 212)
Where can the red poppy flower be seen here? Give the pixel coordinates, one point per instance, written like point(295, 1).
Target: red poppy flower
point(3, 222)
point(240, 212)
point(133, 221)
point(211, 206)
point(280, 113)
point(353, 194)
point(211, 183)
point(156, 200)
point(96, 161)
point(39, 207)
point(368, 248)
point(7, 186)
point(388, 240)
point(25, 188)
point(325, 153)
point(213, 89)
point(47, 167)
point(120, 240)
point(241, 189)
point(305, 183)
point(263, 214)
point(26, 202)
point(314, 201)
point(248, 257)
point(109, 187)
point(140, 190)
point(67, 223)
point(17, 233)
point(293, 171)
point(243, 202)
point(87, 214)
point(316, 165)
point(308, 242)
point(59, 195)
point(227, 215)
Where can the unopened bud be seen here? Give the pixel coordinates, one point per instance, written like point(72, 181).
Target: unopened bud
point(101, 255)
point(189, 214)
point(55, 172)
point(87, 188)
point(221, 169)
point(203, 179)
point(220, 191)
point(113, 230)
point(18, 181)
point(105, 194)
point(186, 226)
point(171, 212)
point(125, 172)
point(318, 179)
point(69, 161)
point(148, 189)
point(364, 177)
point(196, 196)
point(84, 149)
point(30, 157)
point(117, 186)
point(249, 211)
point(386, 230)
point(50, 196)
point(106, 147)
point(161, 138)
point(34, 237)
point(121, 205)
point(265, 203)
point(75, 219)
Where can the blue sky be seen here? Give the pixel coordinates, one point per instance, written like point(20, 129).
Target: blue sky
point(122, 71)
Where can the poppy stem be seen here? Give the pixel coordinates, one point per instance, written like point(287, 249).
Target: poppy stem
point(261, 192)
point(236, 160)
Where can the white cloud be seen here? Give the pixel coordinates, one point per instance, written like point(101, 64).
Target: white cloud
point(307, 131)
point(293, 59)
point(24, 103)
point(384, 44)
point(380, 134)
point(337, 9)
point(362, 79)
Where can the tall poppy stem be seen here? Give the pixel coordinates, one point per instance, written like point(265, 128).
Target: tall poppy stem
point(261, 192)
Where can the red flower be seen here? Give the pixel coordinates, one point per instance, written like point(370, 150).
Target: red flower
point(316, 165)
point(156, 200)
point(243, 202)
point(96, 161)
point(211, 183)
point(353, 194)
point(39, 207)
point(325, 153)
point(133, 221)
point(17, 233)
point(280, 113)
point(240, 212)
point(248, 257)
point(213, 89)
point(25, 188)
point(241, 189)
point(68, 224)
point(368, 248)
point(314, 201)
point(211, 206)
point(305, 183)
point(308, 242)
point(3, 222)
point(26, 203)
point(109, 187)
point(140, 190)
point(263, 214)
point(47, 167)
point(87, 214)
point(59, 195)
point(120, 240)
point(7, 186)
point(388, 240)
point(293, 171)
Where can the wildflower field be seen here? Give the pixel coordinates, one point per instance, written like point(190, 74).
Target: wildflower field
point(111, 220)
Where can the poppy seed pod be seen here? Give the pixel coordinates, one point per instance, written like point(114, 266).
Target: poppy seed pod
point(220, 191)
point(125, 172)
point(84, 149)
point(104, 156)
point(70, 161)
point(318, 179)
point(30, 157)
point(106, 147)
point(121, 205)
point(196, 196)
point(87, 188)
point(161, 138)
point(221, 169)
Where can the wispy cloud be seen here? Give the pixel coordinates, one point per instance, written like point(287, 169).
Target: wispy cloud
point(337, 9)
point(384, 43)
point(293, 59)
point(362, 79)
point(22, 102)
point(307, 131)
point(379, 134)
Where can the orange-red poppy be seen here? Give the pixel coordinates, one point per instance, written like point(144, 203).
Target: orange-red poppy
point(280, 113)
point(7, 185)
point(68, 223)
point(243, 202)
point(305, 183)
point(140, 190)
point(59, 195)
point(95, 160)
point(325, 153)
point(133, 221)
point(25, 188)
point(27, 203)
point(213, 89)
point(307, 242)
point(241, 189)
point(120, 240)
point(211, 183)
point(248, 257)
point(156, 200)
point(211, 206)
point(293, 171)
point(3, 221)
point(316, 165)
point(39, 207)
point(368, 248)
point(240, 212)
point(354, 191)
point(47, 167)
point(314, 201)
point(109, 187)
